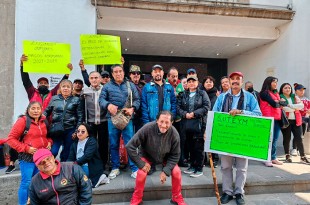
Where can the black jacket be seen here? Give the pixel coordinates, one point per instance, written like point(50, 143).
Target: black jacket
point(91, 156)
point(201, 107)
point(70, 186)
point(74, 115)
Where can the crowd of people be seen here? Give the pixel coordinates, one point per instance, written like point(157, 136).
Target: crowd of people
point(161, 122)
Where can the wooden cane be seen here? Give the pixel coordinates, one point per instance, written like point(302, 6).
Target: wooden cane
point(217, 194)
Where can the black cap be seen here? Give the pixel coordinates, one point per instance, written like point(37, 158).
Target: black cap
point(105, 73)
point(157, 66)
point(78, 81)
point(299, 86)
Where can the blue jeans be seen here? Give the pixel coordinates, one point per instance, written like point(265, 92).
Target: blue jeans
point(114, 136)
point(28, 170)
point(65, 140)
point(276, 133)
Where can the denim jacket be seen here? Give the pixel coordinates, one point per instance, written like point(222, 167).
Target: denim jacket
point(150, 107)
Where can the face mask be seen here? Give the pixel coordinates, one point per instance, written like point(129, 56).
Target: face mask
point(250, 89)
point(43, 89)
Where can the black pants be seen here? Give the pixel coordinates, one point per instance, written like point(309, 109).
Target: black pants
point(13, 154)
point(297, 133)
point(196, 151)
point(102, 134)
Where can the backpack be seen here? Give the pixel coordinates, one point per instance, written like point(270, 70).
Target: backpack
point(27, 127)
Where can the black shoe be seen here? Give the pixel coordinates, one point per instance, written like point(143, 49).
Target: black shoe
point(225, 198)
point(215, 164)
point(10, 169)
point(152, 170)
point(240, 199)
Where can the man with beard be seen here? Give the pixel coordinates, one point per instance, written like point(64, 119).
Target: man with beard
point(173, 77)
point(235, 101)
point(135, 78)
point(77, 87)
point(40, 94)
point(157, 95)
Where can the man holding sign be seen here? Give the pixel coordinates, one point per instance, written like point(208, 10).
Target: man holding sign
point(235, 101)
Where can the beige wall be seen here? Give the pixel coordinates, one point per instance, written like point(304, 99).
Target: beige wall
point(7, 42)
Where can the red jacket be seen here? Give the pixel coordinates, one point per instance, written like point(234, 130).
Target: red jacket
point(36, 136)
point(268, 110)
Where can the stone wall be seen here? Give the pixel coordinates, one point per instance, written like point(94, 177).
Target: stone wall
point(7, 45)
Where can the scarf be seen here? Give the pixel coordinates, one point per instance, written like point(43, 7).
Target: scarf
point(228, 102)
point(292, 96)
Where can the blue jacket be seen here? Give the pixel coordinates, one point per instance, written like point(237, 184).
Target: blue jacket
point(150, 101)
point(250, 104)
point(113, 93)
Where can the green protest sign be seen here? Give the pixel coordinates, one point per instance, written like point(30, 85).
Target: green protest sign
point(240, 135)
point(100, 49)
point(46, 57)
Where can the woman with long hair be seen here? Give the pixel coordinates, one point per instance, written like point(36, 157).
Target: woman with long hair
point(26, 143)
point(84, 152)
point(270, 107)
point(292, 110)
point(67, 110)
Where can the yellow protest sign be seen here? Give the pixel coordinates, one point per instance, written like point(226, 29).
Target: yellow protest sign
point(46, 57)
point(100, 49)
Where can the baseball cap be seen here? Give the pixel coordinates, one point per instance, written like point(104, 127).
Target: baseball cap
point(105, 73)
point(299, 87)
point(192, 77)
point(236, 73)
point(193, 70)
point(41, 154)
point(157, 66)
point(42, 78)
point(134, 68)
point(78, 81)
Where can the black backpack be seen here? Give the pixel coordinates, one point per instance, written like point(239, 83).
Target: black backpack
point(27, 127)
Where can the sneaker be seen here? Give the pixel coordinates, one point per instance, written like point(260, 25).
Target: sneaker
point(304, 160)
point(225, 198)
point(102, 180)
point(10, 169)
point(114, 173)
point(190, 170)
point(294, 152)
point(177, 200)
point(135, 201)
point(277, 162)
point(268, 164)
point(288, 158)
point(134, 174)
point(240, 199)
point(196, 174)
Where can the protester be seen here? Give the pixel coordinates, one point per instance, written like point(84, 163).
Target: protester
point(135, 78)
point(193, 106)
point(248, 86)
point(235, 101)
point(119, 95)
point(292, 110)
point(77, 87)
point(269, 104)
point(84, 152)
point(105, 75)
point(58, 182)
point(173, 77)
point(95, 116)
point(225, 85)
point(305, 112)
point(159, 143)
point(208, 85)
point(68, 112)
point(182, 86)
point(27, 143)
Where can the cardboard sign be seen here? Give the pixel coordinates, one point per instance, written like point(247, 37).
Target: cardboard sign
point(46, 57)
point(100, 49)
point(241, 135)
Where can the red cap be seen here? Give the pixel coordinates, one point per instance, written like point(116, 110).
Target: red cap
point(41, 154)
point(42, 78)
point(236, 73)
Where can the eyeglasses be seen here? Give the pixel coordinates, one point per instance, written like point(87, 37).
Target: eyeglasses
point(105, 76)
point(135, 73)
point(81, 131)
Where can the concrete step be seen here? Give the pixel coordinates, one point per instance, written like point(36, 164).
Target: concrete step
point(301, 198)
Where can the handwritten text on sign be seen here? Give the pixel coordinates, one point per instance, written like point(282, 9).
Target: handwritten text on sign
point(244, 136)
point(100, 49)
point(46, 57)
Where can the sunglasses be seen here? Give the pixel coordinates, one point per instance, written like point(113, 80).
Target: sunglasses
point(105, 76)
point(81, 131)
point(135, 73)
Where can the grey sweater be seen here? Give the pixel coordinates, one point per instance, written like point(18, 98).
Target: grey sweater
point(156, 147)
